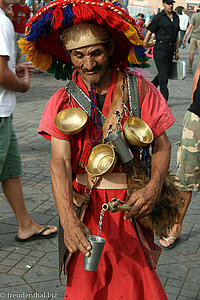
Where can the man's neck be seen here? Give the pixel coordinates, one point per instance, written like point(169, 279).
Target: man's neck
point(169, 14)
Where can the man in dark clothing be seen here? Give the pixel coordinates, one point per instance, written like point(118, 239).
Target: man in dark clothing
point(165, 25)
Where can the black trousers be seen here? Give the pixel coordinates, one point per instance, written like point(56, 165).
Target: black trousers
point(163, 56)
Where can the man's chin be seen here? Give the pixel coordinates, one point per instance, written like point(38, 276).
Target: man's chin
point(91, 79)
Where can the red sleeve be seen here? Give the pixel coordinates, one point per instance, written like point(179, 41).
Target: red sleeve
point(47, 127)
point(155, 110)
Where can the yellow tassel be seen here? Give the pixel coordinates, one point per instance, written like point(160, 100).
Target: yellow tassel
point(131, 57)
point(39, 59)
point(132, 34)
point(46, 62)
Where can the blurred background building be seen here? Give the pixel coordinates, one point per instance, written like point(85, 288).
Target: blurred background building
point(152, 7)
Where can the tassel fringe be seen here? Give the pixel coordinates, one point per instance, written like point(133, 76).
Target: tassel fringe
point(49, 20)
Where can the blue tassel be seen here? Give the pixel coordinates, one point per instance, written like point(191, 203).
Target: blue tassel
point(43, 26)
point(139, 50)
point(68, 15)
point(116, 3)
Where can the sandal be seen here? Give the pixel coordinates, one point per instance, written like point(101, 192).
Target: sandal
point(167, 240)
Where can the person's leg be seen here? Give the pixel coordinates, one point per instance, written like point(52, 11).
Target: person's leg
point(192, 48)
point(155, 81)
point(27, 227)
point(162, 64)
point(10, 171)
point(188, 169)
point(182, 33)
point(180, 38)
point(176, 230)
point(191, 58)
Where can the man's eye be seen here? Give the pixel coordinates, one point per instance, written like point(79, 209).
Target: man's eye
point(97, 53)
point(79, 56)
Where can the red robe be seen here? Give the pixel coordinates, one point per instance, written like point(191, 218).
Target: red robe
point(123, 271)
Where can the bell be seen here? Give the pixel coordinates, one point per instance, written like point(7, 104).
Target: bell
point(101, 160)
point(71, 121)
point(137, 132)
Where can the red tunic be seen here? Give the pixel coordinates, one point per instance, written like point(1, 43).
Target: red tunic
point(123, 271)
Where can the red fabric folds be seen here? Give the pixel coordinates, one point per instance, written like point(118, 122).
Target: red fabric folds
point(123, 271)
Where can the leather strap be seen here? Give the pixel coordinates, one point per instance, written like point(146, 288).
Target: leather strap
point(133, 95)
point(83, 100)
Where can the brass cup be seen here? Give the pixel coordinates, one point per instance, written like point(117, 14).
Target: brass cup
point(137, 132)
point(71, 121)
point(101, 160)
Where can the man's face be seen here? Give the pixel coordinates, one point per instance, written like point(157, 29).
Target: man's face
point(168, 8)
point(91, 62)
point(10, 2)
point(22, 2)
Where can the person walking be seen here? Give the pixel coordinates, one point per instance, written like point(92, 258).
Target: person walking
point(21, 15)
point(165, 25)
point(184, 22)
point(194, 28)
point(14, 78)
point(87, 39)
point(188, 157)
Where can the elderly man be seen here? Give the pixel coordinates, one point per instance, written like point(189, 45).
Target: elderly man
point(100, 39)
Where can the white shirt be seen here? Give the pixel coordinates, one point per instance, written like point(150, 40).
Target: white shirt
point(184, 21)
point(7, 48)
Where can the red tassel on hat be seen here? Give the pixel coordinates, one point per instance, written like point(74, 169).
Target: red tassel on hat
point(57, 17)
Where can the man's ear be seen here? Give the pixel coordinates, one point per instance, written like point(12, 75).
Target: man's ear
point(111, 47)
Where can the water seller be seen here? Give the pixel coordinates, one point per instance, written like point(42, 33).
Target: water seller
point(99, 40)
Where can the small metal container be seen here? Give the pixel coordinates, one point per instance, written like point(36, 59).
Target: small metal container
point(118, 142)
point(91, 263)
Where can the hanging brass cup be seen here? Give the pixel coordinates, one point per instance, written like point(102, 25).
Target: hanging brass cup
point(71, 121)
point(101, 160)
point(137, 132)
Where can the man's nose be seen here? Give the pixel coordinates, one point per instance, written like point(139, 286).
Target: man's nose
point(89, 62)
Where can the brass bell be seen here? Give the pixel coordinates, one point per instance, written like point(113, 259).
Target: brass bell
point(71, 121)
point(101, 160)
point(137, 132)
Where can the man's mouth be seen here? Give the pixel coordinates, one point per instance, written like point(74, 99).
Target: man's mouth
point(91, 72)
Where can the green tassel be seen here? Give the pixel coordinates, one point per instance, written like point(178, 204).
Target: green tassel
point(142, 66)
point(141, 58)
point(60, 71)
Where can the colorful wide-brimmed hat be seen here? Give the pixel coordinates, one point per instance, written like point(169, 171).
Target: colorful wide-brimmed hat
point(43, 45)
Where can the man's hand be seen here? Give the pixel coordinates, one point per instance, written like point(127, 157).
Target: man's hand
point(176, 56)
point(75, 236)
point(142, 202)
point(20, 68)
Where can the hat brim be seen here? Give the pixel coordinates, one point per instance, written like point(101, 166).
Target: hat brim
point(43, 46)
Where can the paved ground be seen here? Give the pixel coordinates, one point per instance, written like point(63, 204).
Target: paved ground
point(29, 270)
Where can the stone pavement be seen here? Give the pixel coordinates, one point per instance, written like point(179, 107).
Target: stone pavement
point(30, 270)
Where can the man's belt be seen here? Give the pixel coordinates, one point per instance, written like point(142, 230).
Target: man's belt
point(113, 181)
point(167, 43)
